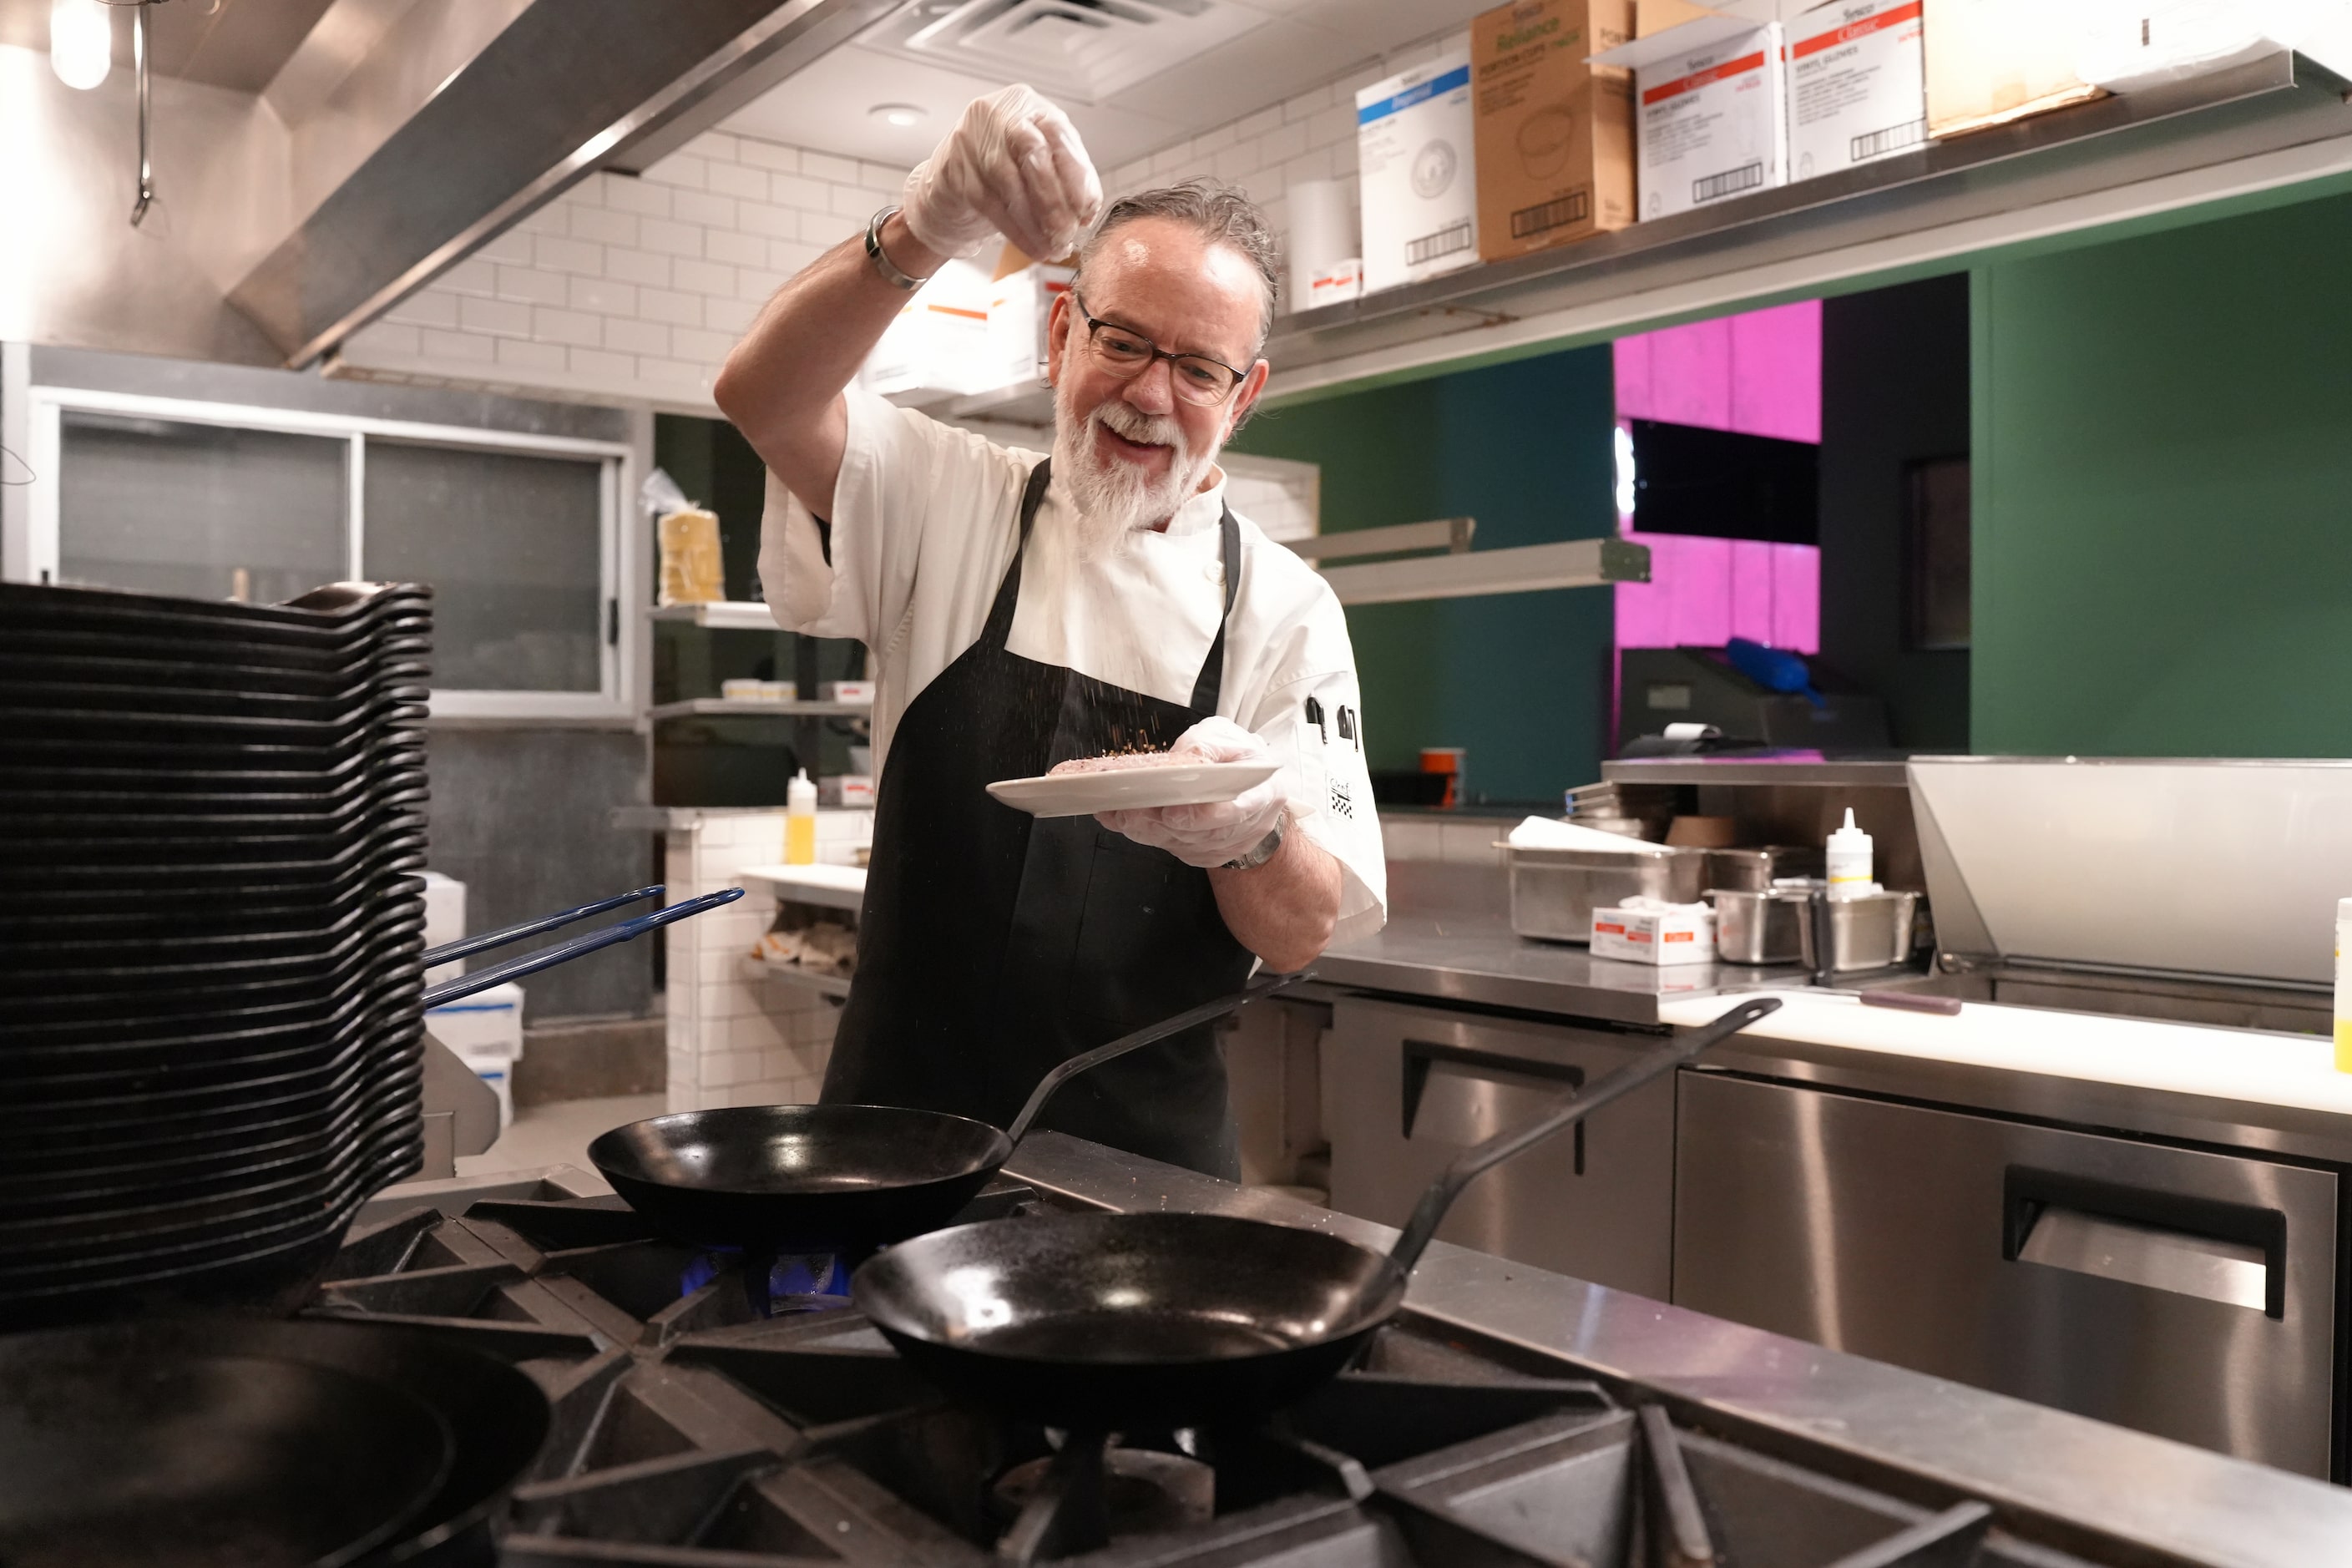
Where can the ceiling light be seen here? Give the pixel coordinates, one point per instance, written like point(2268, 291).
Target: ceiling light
point(901, 114)
point(82, 42)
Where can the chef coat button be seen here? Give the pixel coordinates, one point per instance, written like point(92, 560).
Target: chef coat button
point(1213, 572)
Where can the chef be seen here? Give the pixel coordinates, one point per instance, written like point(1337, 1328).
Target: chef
point(1024, 611)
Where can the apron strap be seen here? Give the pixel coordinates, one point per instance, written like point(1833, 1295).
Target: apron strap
point(1210, 684)
point(1008, 593)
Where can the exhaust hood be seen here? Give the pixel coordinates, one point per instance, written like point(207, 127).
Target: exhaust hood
point(1083, 51)
point(569, 86)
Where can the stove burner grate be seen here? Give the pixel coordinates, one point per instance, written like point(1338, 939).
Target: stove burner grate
point(691, 1432)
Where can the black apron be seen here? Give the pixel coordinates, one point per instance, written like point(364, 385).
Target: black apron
point(994, 945)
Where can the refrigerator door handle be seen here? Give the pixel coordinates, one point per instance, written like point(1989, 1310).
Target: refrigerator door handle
point(1491, 1066)
point(2234, 1254)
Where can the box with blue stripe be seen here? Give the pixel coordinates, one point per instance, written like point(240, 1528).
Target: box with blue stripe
point(1415, 142)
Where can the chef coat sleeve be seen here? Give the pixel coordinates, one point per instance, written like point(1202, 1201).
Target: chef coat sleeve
point(1331, 773)
point(908, 483)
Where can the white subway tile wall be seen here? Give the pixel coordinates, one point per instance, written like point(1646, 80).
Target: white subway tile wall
point(736, 1037)
point(634, 288)
point(630, 287)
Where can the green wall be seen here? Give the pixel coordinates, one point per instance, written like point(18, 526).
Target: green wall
point(1521, 679)
point(2163, 492)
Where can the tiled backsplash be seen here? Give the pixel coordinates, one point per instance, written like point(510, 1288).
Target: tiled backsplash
point(736, 1037)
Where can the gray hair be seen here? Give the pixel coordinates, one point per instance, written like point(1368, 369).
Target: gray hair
point(1220, 213)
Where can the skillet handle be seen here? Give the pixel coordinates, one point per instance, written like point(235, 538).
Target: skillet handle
point(466, 947)
point(1137, 1040)
point(1570, 1109)
point(562, 952)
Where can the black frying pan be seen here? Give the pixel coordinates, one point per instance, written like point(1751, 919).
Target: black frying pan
point(837, 1178)
point(1114, 1322)
point(214, 1442)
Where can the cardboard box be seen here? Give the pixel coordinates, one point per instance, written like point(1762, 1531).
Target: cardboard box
point(846, 789)
point(1709, 105)
point(1555, 134)
point(1857, 84)
point(1657, 15)
point(1340, 281)
point(938, 346)
point(1993, 61)
point(844, 691)
point(1661, 934)
point(1416, 149)
point(1020, 305)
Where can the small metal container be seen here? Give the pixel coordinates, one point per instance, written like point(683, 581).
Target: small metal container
point(1760, 925)
point(1869, 932)
point(1555, 891)
point(1757, 870)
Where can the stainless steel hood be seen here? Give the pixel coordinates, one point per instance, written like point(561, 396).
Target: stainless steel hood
point(2211, 870)
point(568, 87)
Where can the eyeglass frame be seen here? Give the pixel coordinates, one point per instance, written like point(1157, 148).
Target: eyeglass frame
point(1095, 323)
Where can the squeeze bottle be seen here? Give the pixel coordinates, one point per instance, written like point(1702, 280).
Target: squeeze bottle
point(800, 821)
point(2343, 985)
point(1849, 855)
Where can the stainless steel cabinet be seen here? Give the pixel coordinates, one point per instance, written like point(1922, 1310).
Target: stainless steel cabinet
point(1406, 1089)
point(2184, 1293)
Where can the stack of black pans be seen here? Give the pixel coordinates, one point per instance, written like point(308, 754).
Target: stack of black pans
point(211, 822)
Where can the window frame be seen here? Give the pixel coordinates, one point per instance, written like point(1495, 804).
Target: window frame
point(618, 635)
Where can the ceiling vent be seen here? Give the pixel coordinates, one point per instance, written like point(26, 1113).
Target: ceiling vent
point(1083, 51)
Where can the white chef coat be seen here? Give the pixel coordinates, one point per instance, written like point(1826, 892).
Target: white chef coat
point(925, 520)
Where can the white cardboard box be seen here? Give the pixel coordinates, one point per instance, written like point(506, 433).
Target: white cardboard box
point(1709, 112)
point(938, 346)
point(445, 921)
point(1335, 284)
point(1415, 145)
point(486, 1031)
point(1857, 84)
point(1020, 304)
point(1682, 933)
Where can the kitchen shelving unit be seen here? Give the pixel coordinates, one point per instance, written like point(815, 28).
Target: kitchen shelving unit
point(2152, 156)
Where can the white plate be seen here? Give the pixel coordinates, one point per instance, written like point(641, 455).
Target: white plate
point(1128, 789)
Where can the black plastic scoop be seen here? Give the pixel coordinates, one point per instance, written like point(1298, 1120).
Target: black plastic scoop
point(836, 1178)
point(1119, 1322)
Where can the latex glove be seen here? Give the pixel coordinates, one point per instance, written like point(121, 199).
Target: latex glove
point(1013, 166)
point(1209, 836)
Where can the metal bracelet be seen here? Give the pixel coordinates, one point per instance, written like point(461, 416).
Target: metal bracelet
point(889, 269)
point(1265, 850)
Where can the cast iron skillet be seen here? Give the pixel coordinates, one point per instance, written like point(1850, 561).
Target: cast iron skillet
point(1119, 1322)
point(231, 1441)
point(838, 1178)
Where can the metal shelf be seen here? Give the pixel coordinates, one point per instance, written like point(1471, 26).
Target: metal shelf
point(740, 707)
point(722, 614)
point(832, 985)
point(2269, 122)
point(831, 887)
point(1571, 563)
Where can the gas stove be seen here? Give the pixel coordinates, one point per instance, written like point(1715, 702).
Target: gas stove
point(690, 1428)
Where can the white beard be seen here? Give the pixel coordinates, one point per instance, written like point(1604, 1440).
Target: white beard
point(1115, 500)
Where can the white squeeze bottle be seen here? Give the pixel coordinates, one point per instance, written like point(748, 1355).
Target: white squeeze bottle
point(1849, 859)
point(2343, 986)
point(800, 821)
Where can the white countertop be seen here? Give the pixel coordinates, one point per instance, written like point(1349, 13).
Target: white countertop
point(2254, 1065)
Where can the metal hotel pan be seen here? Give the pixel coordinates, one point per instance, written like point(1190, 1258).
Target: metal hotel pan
point(1555, 891)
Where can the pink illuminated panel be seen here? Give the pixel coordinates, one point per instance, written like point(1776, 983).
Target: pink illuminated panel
point(1761, 374)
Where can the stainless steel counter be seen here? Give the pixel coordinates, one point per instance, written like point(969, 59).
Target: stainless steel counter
point(1476, 958)
point(2050, 1474)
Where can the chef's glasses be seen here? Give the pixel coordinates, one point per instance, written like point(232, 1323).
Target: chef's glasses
point(1127, 354)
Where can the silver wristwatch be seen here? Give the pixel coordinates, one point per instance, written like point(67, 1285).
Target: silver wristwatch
point(1265, 849)
point(890, 270)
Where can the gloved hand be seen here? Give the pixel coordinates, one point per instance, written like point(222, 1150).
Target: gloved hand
point(1014, 165)
point(1209, 836)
